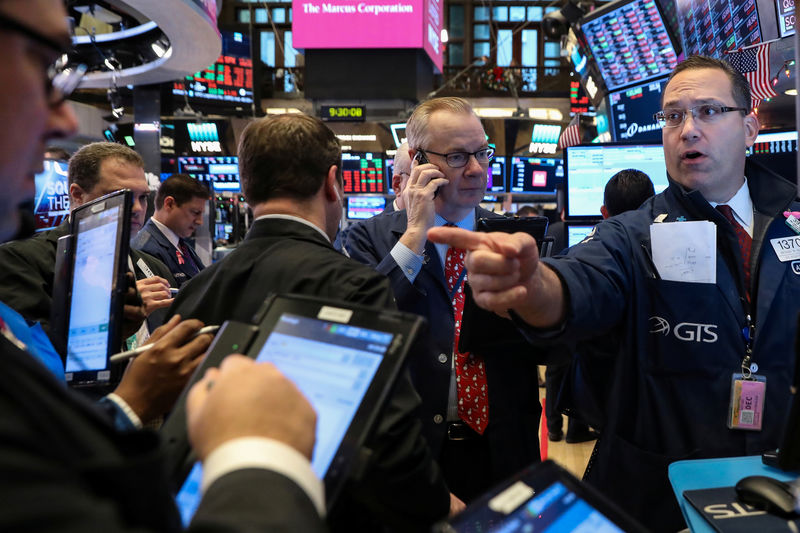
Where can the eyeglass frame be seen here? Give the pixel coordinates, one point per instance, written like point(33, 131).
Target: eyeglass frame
point(662, 121)
point(468, 154)
point(53, 86)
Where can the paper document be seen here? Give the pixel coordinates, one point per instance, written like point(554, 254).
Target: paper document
point(685, 251)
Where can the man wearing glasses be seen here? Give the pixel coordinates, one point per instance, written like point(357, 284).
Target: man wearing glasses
point(687, 342)
point(480, 412)
point(63, 465)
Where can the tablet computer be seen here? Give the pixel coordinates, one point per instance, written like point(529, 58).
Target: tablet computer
point(543, 498)
point(344, 358)
point(97, 285)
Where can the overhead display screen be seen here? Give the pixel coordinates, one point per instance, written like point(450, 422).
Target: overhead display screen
point(632, 112)
point(229, 80)
point(52, 195)
point(630, 43)
point(363, 172)
point(326, 24)
point(496, 181)
point(222, 173)
point(785, 17)
point(710, 27)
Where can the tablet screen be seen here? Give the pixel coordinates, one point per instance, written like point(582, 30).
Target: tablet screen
point(92, 287)
point(555, 509)
point(333, 365)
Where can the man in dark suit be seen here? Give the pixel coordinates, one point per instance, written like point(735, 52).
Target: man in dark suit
point(478, 438)
point(27, 267)
point(63, 465)
point(180, 202)
point(291, 177)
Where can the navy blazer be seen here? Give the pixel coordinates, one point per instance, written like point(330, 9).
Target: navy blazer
point(152, 240)
point(514, 408)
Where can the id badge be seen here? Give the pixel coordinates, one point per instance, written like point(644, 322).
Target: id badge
point(747, 402)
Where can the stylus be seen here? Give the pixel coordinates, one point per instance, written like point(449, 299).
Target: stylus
point(130, 354)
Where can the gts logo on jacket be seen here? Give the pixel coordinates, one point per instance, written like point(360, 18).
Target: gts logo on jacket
point(685, 331)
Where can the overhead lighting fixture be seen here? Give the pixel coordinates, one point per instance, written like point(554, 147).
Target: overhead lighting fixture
point(494, 112)
point(281, 110)
point(546, 113)
point(444, 37)
point(791, 92)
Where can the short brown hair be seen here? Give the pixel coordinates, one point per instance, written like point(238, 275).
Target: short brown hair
point(182, 188)
point(84, 165)
point(286, 156)
point(416, 129)
point(739, 84)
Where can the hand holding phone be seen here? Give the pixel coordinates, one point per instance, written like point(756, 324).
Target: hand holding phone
point(422, 159)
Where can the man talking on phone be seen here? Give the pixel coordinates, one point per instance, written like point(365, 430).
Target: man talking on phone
point(477, 429)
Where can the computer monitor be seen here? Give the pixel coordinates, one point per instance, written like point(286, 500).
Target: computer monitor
point(496, 172)
point(578, 230)
point(589, 167)
point(727, 26)
point(219, 172)
point(776, 150)
point(630, 42)
point(363, 173)
point(363, 207)
point(535, 175)
point(631, 112)
point(51, 204)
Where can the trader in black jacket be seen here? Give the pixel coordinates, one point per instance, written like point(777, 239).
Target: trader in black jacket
point(63, 466)
point(180, 202)
point(291, 177)
point(27, 267)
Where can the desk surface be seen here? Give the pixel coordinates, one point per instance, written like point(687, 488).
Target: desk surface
point(710, 473)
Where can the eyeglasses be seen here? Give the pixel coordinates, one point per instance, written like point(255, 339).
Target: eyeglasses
point(460, 159)
point(673, 117)
point(62, 78)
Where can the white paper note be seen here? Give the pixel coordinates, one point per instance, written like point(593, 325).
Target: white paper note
point(685, 251)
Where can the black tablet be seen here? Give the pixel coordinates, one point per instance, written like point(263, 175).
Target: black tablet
point(536, 227)
point(344, 358)
point(97, 285)
point(543, 498)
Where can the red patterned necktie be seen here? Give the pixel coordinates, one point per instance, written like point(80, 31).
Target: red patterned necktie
point(473, 396)
point(186, 255)
point(745, 242)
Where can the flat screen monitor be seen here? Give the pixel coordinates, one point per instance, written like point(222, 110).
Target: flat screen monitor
point(632, 112)
point(535, 175)
point(51, 204)
point(776, 150)
point(577, 231)
point(589, 167)
point(630, 42)
point(786, 16)
point(219, 172)
point(710, 27)
point(363, 207)
point(227, 82)
point(363, 173)
point(496, 181)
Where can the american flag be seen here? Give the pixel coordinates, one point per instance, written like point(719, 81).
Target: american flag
point(571, 135)
point(754, 64)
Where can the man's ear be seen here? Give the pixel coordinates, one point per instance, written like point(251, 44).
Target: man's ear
point(397, 179)
point(751, 127)
point(604, 211)
point(77, 196)
point(331, 181)
point(169, 202)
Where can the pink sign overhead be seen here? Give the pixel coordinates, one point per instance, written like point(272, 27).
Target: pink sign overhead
point(369, 24)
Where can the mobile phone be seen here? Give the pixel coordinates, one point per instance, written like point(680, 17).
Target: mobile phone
point(422, 159)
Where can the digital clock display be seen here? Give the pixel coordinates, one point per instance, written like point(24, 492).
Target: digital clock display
point(353, 113)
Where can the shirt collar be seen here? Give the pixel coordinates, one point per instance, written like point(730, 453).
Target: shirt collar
point(468, 222)
point(171, 236)
point(742, 206)
point(295, 219)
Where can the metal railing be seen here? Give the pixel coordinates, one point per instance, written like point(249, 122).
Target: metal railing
point(486, 80)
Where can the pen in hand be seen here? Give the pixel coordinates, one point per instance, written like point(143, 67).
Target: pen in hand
point(130, 354)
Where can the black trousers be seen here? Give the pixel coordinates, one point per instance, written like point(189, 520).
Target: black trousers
point(466, 462)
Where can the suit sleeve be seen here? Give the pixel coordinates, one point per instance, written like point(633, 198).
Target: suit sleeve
point(371, 245)
point(256, 500)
